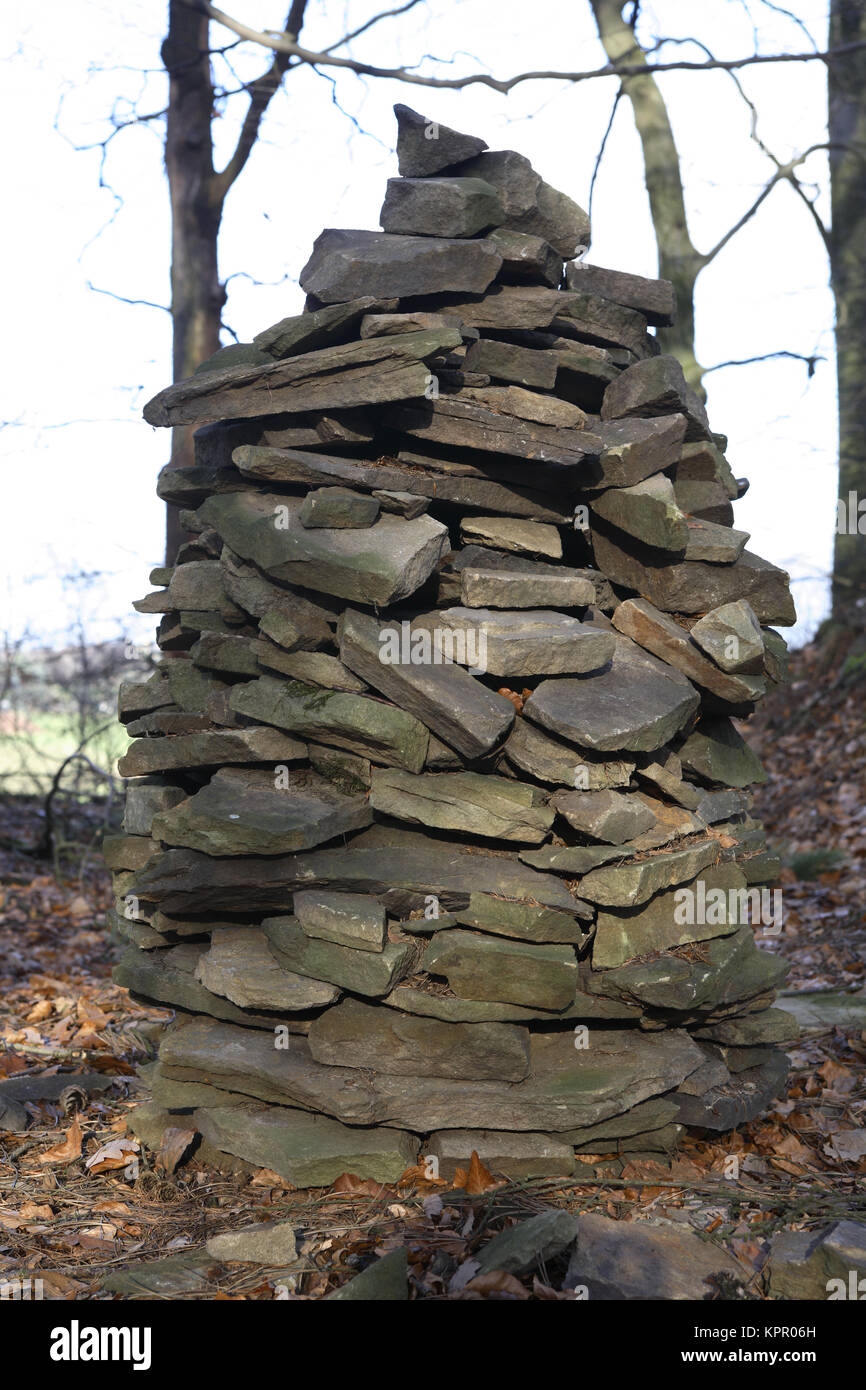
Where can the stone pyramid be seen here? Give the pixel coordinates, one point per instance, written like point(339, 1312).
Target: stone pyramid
point(438, 833)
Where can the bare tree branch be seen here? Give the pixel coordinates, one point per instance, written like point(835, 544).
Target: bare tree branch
point(386, 14)
point(810, 361)
point(261, 93)
point(148, 303)
point(284, 44)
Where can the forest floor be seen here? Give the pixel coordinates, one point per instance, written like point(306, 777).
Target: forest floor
point(79, 1203)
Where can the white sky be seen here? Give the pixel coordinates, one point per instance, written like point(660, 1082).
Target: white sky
point(80, 464)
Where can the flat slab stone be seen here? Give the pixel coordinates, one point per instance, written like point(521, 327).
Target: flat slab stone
point(440, 207)
point(524, 643)
point(731, 636)
point(376, 565)
point(321, 328)
point(178, 752)
point(169, 977)
point(655, 299)
point(718, 754)
point(656, 386)
point(477, 804)
point(719, 545)
point(364, 972)
point(653, 630)
point(339, 377)
point(529, 1243)
point(635, 704)
point(619, 1260)
point(464, 424)
point(240, 965)
point(510, 362)
point(628, 885)
point(386, 1280)
point(636, 448)
point(514, 1155)
point(649, 511)
point(692, 586)
point(360, 1035)
point(481, 967)
point(338, 507)
point(411, 999)
point(308, 1150)
point(731, 969)
point(382, 860)
point(610, 816)
point(246, 811)
point(567, 1087)
point(523, 921)
point(424, 146)
point(444, 696)
point(430, 478)
point(482, 588)
point(526, 257)
point(622, 936)
point(802, 1264)
point(269, 1243)
point(357, 723)
point(530, 750)
point(346, 919)
point(346, 263)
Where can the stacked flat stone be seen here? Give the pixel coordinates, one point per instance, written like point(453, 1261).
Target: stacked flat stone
point(444, 723)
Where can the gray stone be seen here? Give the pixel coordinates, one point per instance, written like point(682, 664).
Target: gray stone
point(481, 967)
point(347, 375)
point(557, 219)
point(516, 1156)
point(610, 816)
point(356, 723)
point(574, 859)
point(718, 754)
point(526, 257)
point(529, 1244)
point(738, 1101)
point(693, 586)
point(649, 511)
point(168, 976)
point(321, 328)
point(240, 965)
point(346, 919)
point(412, 1000)
point(635, 704)
point(635, 449)
point(311, 668)
point(523, 643)
point(480, 588)
point(221, 747)
point(508, 362)
point(663, 636)
point(719, 545)
point(376, 565)
point(622, 936)
point(530, 750)
point(825, 1264)
point(309, 1150)
point(731, 636)
point(507, 533)
point(449, 701)
point(730, 969)
point(344, 263)
point(629, 885)
point(655, 299)
point(364, 972)
point(246, 811)
point(656, 386)
point(384, 860)
point(566, 1088)
point(401, 503)
point(386, 1280)
point(440, 207)
point(234, 655)
point(426, 478)
point(511, 174)
point(465, 425)
point(363, 1036)
point(269, 1243)
point(338, 507)
point(524, 921)
point(469, 801)
point(171, 1277)
point(526, 405)
point(621, 1260)
point(424, 146)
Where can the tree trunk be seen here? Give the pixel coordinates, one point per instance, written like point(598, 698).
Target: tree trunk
point(197, 297)
point(679, 261)
point(847, 100)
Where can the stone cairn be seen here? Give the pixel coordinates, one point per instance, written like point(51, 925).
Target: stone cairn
point(438, 832)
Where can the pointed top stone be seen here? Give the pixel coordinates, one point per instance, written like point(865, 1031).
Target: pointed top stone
point(424, 146)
